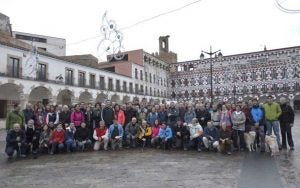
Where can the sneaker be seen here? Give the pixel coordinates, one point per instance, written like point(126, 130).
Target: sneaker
point(228, 153)
point(199, 150)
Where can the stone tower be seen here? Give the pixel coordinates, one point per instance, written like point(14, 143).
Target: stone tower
point(5, 26)
point(164, 53)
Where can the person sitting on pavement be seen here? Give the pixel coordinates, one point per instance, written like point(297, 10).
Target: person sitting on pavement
point(15, 141)
point(57, 139)
point(82, 137)
point(44, 139)
point(131, 132)
point(211, 137)
point(182, 135)
point(196, 133)
point(144, 134)
point(165, 136)
point(70, 137)
point(155, 133)
point(32, 136)
point(225, 139)
point(101, 136)
point(115, 135)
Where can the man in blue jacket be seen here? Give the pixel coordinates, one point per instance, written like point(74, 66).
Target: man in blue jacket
point(257, 116)
point(165, 136)
point(115, 134)
point(211, 137)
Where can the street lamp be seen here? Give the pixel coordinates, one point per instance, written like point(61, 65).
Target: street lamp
point(210, 53)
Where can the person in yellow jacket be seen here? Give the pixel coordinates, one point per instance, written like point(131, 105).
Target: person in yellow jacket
point(144, 134)
point(272, 114)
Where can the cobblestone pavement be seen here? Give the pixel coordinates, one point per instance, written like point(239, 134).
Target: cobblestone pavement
point(153, 168)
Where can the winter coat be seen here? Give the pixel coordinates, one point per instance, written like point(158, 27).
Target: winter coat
point(238, 120)
point(163, 116)
point(272, 111)
point(14, 117)
point(188, 116)
point(152, 117)
point(12, 136)
point(77, 117)
point(257, 115)
point(174, 113)
point(184, 132)
point(212, 132)
point(129, 114)
point(120, 116)
point(155, 131)
point(40, 119)
point(65, 117)
point(52, 117)
point(103, 133)
point(203, 114)
point(225, 118)
point(108, 115)
point(82, 134)
point(97, 116)
point(28, 115)
point(144, 132)
point(165, 133)
point(111, 128)
point(132, 129)
point(58, 136)
point(287, 115)
point(216, 118)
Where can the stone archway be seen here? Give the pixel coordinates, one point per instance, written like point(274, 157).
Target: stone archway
point(101, 97)
point(40, 94)
point(65, 97)
point(85, 97)
point(10, 94)
point(115, 98)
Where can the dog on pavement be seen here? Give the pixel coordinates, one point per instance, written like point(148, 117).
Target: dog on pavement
point(272, 145)
point(250, 140)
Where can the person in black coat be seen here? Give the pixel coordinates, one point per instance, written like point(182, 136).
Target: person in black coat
point(130, 113)
point(182, 135)
point(15, 140)
point(97, 115)
point(82, 137)
point(28, 113)
point(108, 114)
point(286, 123)
point(65, 116)
point(202, 115)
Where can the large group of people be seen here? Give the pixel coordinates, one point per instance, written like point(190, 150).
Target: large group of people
point(217, 127)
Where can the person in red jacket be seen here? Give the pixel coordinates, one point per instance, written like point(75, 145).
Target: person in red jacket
point(101, 136)
point(77, 117)
point(119, 115)
point(57, 139)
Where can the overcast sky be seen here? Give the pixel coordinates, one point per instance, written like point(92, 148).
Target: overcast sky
point(234, 26)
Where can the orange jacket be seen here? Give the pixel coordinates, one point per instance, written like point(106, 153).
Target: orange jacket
point(120, 116)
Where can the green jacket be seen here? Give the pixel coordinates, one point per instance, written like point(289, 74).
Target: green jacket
point(272, 111)
point(14, 117)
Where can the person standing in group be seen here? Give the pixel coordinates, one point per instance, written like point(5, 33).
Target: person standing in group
point(77, 117)
point(108, 114)
point(119, 115)
point(202, 114)
point(272, 114)
point(28, 113)
point(286, 119)
point(16, 116)
point(189, 114)
point(52, 116)
point(64, 116)
point(257, 118)
point(238, 120)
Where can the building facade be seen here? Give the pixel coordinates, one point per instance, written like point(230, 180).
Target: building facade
point(239, 77)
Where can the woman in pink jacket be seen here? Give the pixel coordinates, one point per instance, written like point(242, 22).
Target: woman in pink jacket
point(155, 133)
point(119, 115)
point(77, 116)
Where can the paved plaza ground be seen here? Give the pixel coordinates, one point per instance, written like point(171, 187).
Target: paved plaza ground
point(154, 168)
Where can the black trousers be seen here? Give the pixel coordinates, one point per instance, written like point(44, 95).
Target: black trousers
point(238, 134)
point(286, 133)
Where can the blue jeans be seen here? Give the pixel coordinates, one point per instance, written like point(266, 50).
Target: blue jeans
point(195, 143)
point(71, 145)
point(275, 126)
point(82, 145)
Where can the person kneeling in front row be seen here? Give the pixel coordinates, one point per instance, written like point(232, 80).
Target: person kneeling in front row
point(165, 136)
point(211, 137)
point(115, 134)
point(101, 136)
point(225, 140)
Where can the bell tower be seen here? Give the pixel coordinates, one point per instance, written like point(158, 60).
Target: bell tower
point(164, 53)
